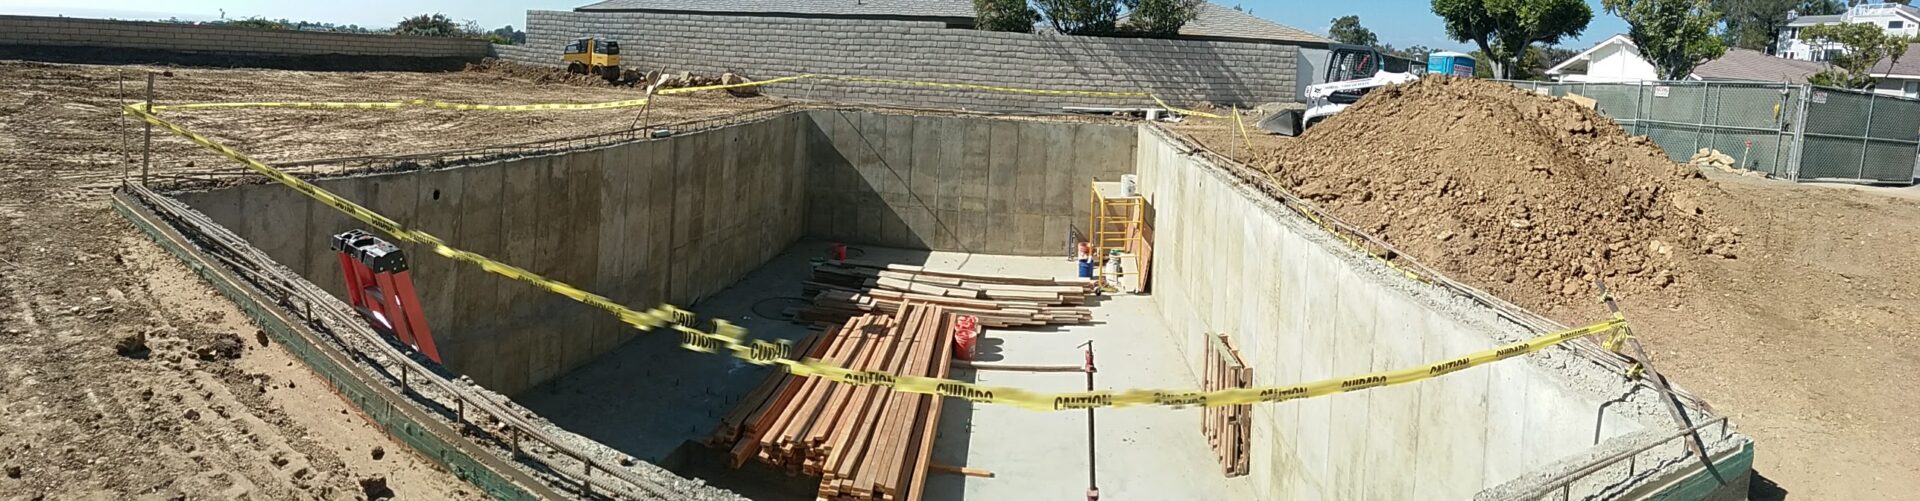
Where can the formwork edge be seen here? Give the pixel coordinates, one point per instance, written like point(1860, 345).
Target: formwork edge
point(425, 436)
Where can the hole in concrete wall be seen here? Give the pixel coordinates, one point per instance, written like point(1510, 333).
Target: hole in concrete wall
point(729, 219)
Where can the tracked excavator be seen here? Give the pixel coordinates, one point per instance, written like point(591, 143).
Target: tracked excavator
point(1352, 72)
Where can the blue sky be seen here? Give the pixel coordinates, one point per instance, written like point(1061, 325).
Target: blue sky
point(1398, 22)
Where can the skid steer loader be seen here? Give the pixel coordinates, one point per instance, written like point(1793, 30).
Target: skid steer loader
point(1352, 71)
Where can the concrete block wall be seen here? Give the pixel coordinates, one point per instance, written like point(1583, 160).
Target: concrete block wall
point(956, 183)
point(1182, 71)
point(65, 32)
point(669, 220)
point(1303, 307)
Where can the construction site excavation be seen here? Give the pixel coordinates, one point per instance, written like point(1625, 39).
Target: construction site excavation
point(1043, 267)
point(914, 250)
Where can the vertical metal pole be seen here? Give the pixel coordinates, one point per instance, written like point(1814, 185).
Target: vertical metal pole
point(1719, 105)
point(1866, 137)
point(1800, 130)
point(1781, 125)
point(586, 476)
point(146, 153)
point(1700, 124)
point(120, 78)
point(1093, 478)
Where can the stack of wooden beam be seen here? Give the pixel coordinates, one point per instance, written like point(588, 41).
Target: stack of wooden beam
point(1229, 429)
point(842, 289)
point(863, 442)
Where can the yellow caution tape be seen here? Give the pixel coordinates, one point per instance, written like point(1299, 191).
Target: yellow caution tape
point(413, 103)
point(446, 105)
point(730, 339)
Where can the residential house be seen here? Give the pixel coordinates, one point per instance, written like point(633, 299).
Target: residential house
point(1744, 65)
point(1615, 59)
point(1892, 17)
point(1901, 78)
point(1618, 60)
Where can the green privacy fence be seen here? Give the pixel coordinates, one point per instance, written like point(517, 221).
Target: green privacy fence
point(1790, 131)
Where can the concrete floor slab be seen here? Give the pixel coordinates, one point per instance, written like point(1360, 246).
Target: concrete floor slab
point(648, 397)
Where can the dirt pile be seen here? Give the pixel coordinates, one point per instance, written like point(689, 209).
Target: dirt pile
point(629, 77)
point(1529, 196)
point(534, 73)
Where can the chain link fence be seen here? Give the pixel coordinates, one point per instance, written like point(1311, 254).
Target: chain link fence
point(1789, 131)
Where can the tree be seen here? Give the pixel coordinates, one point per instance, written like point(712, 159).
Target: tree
point(1754, 24)
point(1415, 52)
point(1004, 15)
point(1863, 45)
point(429, 25)
point(1820, 7)
point(1503, 29)
point(1347, 30)
point(510, 35)
point(1080, 17)
point(1161, 17)
point(258, 24)
point(1674, 35)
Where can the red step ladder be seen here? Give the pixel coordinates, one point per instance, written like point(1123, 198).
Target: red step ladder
point(380, 287)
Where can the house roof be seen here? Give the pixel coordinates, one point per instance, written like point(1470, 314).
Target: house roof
point(1907, 11)
point(1579, 61)
point(1909, 65)
point(865, 8)
point(1752, 65)
point(1217, 21)
point(1813, 20)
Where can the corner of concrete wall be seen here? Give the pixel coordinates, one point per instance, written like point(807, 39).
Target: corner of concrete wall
point(1304, 307)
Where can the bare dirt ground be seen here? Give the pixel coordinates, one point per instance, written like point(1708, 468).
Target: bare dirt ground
point(1785, 306)
point(124, 375)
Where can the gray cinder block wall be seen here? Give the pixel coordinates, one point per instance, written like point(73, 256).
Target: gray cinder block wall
point(23, 36)
point(1183, 71)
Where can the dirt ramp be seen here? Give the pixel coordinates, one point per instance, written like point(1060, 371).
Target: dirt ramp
point(1527, 195)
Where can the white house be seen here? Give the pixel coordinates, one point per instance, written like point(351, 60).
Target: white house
point(1891, 17)
point(1615, 59)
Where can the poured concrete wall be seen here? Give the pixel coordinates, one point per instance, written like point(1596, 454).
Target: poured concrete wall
point(1303, 307)
point(957, 183)
point(671, 220)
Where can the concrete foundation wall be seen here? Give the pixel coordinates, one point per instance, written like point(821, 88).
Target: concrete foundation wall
point(1182, 71)
point(1304, 307)
point(957, 183)
point(670, 220)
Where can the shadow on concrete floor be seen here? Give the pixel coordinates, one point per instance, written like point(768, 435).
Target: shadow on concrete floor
point(1762, 488)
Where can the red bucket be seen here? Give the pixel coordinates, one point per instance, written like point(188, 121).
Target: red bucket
point(966, 330)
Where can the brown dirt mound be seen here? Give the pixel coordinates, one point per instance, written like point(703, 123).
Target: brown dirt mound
point(1529, 196)
point(534, 73)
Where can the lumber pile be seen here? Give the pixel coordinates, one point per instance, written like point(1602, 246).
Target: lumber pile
point(842, 289)
point(863, 442)
point(1229, 428)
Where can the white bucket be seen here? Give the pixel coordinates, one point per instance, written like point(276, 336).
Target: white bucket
point(1129, 185)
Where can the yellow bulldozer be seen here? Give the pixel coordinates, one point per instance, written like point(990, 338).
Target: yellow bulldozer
point(592, 56)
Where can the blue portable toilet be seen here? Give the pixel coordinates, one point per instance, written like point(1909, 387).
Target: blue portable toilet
point(1450, 63)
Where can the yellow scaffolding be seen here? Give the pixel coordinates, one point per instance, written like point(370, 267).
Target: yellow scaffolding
point(1115, 222)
